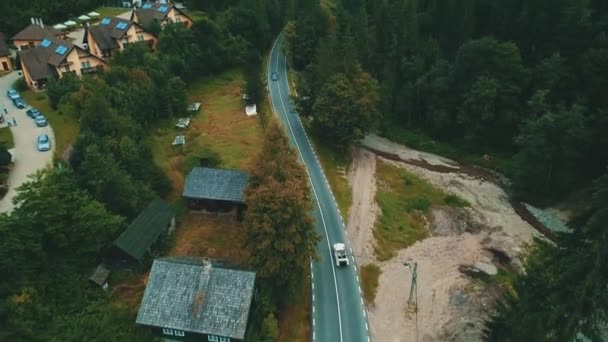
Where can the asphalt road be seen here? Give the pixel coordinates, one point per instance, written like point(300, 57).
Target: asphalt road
point(338, 310)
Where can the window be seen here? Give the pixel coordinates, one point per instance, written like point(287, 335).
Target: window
point(168, 331)
point(212, 338)
point(86, 64)
point(177, 18)
point(179, 332)
point(66, 68)
point(140, 37)
point(224, 339)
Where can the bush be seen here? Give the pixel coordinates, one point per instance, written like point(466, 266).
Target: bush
point(419, 203)
point(455, 201)
point(20, 85)
point(370, 276)
point(5, 156)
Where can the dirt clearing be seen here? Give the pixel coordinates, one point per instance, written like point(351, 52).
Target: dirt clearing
point(451, 306)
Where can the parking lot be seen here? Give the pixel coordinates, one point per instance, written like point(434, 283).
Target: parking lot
point(27, 158)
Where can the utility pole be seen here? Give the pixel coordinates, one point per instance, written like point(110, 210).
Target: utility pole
point(413, 290)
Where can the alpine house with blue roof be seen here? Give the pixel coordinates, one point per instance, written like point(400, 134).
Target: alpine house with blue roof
point(161, 13)
point(55, 58)
point(192, 298)
point(215, 189)
point(113, 35)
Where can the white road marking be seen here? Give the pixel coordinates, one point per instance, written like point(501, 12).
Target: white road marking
point(314, 191)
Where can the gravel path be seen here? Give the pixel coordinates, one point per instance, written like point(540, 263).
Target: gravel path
point(27, 158)
point(363, 212)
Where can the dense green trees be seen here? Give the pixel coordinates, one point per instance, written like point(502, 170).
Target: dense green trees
point(562, 296)
point(281, 237)
point(346, 108)
point(465, 72)
point(49, 246)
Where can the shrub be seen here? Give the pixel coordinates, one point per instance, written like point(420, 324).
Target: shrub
point(5, 156)
point(370, 275)
point(455, 201)
point(419, 203)
point(20, 85)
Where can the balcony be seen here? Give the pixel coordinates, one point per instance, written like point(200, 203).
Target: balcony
point(91, 70)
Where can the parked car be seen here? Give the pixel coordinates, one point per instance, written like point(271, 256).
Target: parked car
point(33, 113)
point(12, 94)
point(274, 76)
point(19, 103)
point(40, 120)
point(43, 143)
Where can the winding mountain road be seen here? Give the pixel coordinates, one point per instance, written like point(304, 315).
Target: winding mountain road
point(337, 302)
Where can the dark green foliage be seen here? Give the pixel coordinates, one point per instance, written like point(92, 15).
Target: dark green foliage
point(346, 108)
point(455, 201)
point(20, 84)
point(107, 182)
point(5, 156)
point(552, 146)
point(464, 71)
point(562, 296)
point(418, 204)
point(98, 321)
point(56, 89)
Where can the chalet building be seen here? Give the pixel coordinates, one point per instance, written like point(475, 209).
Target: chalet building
point(161, 13)
point(55, 58)
point(113, 35)
point(5, 57)
point(34, 34)
point(215, 190)
point(190, 298)
point(156, 220)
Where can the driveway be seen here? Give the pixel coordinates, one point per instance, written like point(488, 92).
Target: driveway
point(27, 158)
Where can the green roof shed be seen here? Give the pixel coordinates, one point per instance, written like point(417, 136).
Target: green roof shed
point(158, 217)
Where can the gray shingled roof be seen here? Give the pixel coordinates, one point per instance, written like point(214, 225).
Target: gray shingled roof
point(145, 16)
point(146, 228)
point(37, 32)
point(106, 36)
point(3, 48)
point(191, 295)
point(216, 184)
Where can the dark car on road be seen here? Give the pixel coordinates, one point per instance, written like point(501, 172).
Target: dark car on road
point(19, 103)
point(274, 76)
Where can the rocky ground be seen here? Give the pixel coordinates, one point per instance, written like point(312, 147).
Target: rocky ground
point(462, 243)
